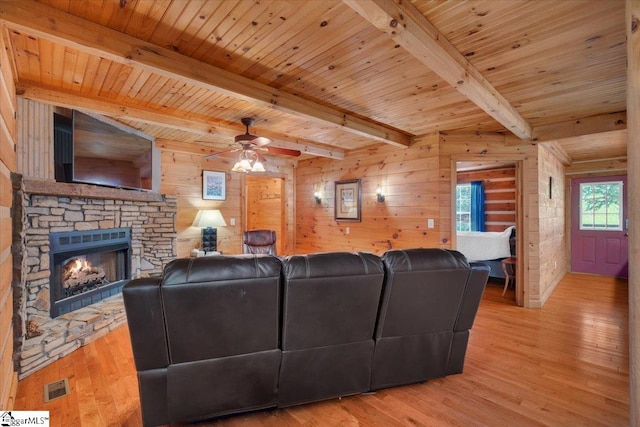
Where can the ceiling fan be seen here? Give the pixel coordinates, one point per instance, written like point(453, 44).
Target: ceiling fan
point(250, 159)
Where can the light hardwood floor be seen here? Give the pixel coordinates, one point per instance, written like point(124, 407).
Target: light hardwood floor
point(565, 364)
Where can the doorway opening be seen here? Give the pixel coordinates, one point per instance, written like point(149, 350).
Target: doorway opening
point(502, 181)
point(265, 206)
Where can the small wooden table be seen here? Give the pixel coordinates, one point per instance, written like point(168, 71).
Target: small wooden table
point(509, 269)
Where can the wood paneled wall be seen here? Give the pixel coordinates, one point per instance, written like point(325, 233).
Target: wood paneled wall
point(499, 195)
point(35, 140)
point(553, 259)
point(409, 178)
point(265, 207)
point(419, 184)
point(182, 167)
point(8, 132)
point(632, 15)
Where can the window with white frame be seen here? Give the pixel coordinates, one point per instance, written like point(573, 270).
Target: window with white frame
point(601, 206)
point(463, 207)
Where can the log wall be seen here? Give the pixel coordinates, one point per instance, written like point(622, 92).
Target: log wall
point(8, 132)
point(499, 195)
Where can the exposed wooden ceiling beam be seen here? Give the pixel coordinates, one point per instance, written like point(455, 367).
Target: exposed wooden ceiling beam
point(579, 127)
point(119, 110)
point(411, 30)
point(600, 167)
point(52, 24)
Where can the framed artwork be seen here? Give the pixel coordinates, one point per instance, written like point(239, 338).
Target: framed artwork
point(348, 198)
point(214, 185)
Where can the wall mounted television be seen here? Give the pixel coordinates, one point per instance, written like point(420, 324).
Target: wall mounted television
point(96, 150)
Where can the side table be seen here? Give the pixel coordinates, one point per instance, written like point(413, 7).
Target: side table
point(509, 269)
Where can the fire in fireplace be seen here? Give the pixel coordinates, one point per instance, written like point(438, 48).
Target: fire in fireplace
point(80, 276)
point(87, 266)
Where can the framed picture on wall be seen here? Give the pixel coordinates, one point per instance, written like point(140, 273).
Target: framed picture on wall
point(347, 200)
point(214, 185)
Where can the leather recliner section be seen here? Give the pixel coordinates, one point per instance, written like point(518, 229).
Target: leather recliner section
point(423, 290)
point(329, 313)
point(214, 326)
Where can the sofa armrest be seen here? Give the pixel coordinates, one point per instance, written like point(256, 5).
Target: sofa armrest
point(145, 317)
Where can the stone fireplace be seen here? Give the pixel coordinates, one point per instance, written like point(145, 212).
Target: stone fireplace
point(74, 247)
point(87, 267)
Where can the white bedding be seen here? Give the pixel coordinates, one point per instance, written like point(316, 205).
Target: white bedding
point(481, 245)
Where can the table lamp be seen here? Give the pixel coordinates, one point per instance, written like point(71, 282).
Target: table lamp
point(208, 219)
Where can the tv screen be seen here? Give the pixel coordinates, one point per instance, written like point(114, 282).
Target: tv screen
point(109, 153)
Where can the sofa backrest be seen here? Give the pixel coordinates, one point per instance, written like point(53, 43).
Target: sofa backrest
point(221, 306)
point(330, 298)
point(422, 292)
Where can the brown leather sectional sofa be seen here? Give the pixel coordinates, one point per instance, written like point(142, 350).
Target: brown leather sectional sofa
point(222, 335)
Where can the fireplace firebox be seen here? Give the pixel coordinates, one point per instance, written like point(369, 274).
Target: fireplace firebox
point(87, 267)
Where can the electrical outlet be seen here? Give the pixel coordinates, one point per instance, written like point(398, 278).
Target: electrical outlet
point(346, 230)
point(232, 221)
point(430, 223)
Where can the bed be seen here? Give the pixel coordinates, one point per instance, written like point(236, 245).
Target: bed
point(488, 247)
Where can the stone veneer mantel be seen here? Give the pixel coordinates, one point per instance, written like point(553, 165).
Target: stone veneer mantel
point(63, 189)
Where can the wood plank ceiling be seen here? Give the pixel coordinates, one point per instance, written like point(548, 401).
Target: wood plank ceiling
point(326, 76)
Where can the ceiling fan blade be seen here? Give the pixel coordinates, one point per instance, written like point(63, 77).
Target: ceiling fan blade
point(210, 156)
point(259, 141)
point(284, 151)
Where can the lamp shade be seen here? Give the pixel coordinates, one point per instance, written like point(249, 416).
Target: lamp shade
point(209, 218)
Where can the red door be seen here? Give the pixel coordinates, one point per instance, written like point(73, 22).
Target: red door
point(599, 226)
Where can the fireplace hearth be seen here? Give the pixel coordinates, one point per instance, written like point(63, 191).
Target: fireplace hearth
point(87, 267)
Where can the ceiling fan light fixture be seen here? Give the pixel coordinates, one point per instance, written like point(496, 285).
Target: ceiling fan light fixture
point(237, 167)
point(258, 167)
point(249, 161)
point(245, 164)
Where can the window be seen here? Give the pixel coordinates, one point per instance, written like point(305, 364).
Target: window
point(601, 206)
point(463, 207)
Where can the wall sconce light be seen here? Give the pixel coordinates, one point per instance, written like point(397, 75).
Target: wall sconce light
point(208, 219)
point(380, 194)
point(318, 196)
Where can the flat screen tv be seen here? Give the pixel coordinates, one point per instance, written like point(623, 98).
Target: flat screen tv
point(106, 152)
